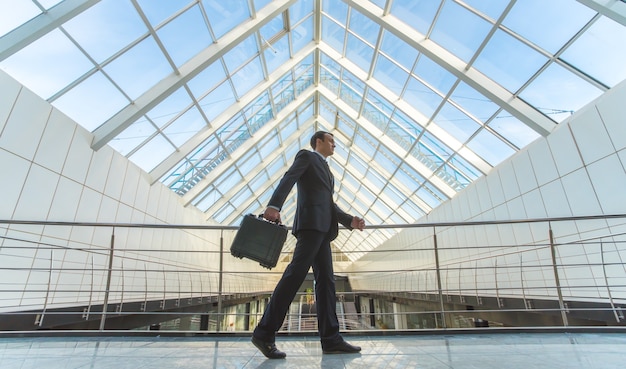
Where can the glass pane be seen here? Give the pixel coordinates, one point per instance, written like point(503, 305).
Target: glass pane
point(490, 148)
point(417, 14)
point(181, 49)
point(459, 30)
point(604, 40)
point(558, 92)
point(553, 22)
point(226, 15)
point(508, 61)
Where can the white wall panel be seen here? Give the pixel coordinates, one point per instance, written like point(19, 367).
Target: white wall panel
point(65, 202)
point(533, 204)
point(543, 163)
point(130, 184)
point(554, 200)
point(609, 182)
point(611, 109)
point(564, 150)
point(25, 125)
point(580, 194)
point(591, 137)
point(78, 156)
point(510, 187)
point(37, 194)
point(89, 205)
point(116, 177)
point(52, 149)
point(8, 95)
point(98, 172)
point(10, 189)
point(525, 175)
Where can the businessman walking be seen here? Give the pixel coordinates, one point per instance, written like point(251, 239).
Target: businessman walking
point(315, 225)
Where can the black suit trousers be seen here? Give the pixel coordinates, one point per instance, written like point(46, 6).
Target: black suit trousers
point(312, 250)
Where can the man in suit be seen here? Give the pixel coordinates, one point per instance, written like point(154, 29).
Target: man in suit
point(315, 225)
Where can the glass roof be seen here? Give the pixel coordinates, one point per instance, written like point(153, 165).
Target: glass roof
point(214, 98)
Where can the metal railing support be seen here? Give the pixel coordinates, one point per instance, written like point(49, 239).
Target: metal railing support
point(108, 285)
point(439, 284)
point(556, 277)
point(220, 281)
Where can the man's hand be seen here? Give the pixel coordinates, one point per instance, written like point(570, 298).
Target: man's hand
point(272, 214)
point(357, 223)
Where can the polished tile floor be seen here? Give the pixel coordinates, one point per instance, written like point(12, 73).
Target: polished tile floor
point(484, 350)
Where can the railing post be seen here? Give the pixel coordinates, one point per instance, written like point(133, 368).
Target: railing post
point(439, 288)
point(556, 277)
point(220, 281)
point(108, 285)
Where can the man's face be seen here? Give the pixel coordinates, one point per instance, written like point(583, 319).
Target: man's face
point(326, 146)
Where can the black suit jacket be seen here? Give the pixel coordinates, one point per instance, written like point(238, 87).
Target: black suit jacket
point(316, 209)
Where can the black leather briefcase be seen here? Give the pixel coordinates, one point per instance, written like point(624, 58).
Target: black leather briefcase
point(260, 240)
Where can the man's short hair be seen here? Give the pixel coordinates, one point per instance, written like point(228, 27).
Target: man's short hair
point(319, 134)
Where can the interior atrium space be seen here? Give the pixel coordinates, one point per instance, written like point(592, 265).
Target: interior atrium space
point(482, 142)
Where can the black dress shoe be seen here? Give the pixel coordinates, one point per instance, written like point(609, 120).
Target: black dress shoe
point(268, 349)
point(342, 347)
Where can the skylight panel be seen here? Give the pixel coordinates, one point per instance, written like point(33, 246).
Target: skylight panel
point(302, 34)
point(398, 50)
point(273, 29)
point(421, 97)
point(206, 80)
point(516, 132)
point(48, 64)
point(241, 53)
point(260, 4)
point(249, 161)
point(106, 28)
point(152, 153)
point(185, 126)
point(473, 102)
point(605, 41)
point(213, 104)
point(166, 110)
point(394, 76)
point(337, 10)
point(364, 27)
point(299, 10)
point(17, 14)
point(226, 15)
point(181, 49)
point(558, 92)
point(278, 54)
point(429, 194)
point(359, 52)
point(490, 8)
point(137, 69)
point(459, 30)
point(417, 14)
point(490, 148)
point(248, 77)
point(132, 136)
point(508, 61)
point(553, 23)
point(333, 34)
point(455, 122)
point(157, 12)
point(434, 75)
point(88, 109)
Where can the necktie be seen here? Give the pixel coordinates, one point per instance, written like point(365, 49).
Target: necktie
point(330, 175)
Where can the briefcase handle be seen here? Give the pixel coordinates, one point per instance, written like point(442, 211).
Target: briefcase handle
point(260, 216)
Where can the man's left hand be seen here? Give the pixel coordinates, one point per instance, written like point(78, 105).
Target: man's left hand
point(357, 223)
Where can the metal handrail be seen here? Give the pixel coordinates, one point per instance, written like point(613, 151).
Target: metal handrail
point(432, 285)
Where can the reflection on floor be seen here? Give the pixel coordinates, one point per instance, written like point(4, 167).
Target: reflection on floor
point(484, 350)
